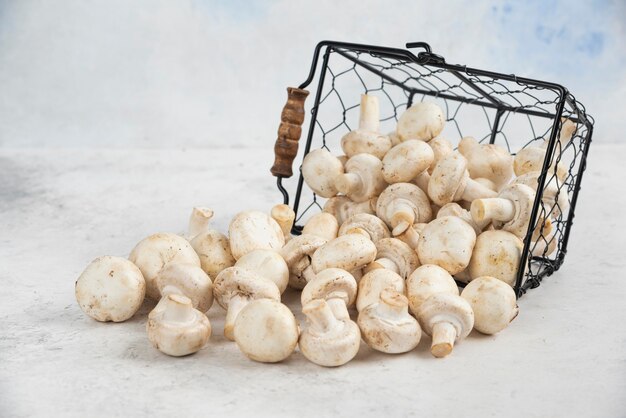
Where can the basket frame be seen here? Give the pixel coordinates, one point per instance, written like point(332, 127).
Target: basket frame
point(428, 59)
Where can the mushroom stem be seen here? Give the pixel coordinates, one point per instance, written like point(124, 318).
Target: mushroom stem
point(475, 190)
point(444, 335)
point(284, 216)
point(339, 309)
point(235, 305)
point(403, 217)
point(368, 119)
point(494, 208)
point(199, 221)
point(348, 182)
point(177, 308)
point(320, 316)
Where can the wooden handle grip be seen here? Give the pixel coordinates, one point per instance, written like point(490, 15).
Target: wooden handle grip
point(289, 131)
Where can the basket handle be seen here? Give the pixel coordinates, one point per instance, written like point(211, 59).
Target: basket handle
point(289, 131)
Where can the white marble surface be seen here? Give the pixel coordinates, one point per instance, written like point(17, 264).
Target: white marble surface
point(565, 355)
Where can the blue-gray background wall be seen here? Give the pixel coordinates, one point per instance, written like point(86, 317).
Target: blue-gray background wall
point(200, 73)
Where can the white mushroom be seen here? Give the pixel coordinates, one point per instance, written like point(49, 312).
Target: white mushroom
point(157, 251)
point(336, 286)
point(447, 318)
point(323, 225)
point(326, 340)
point(406, 160)
point(531, 158)
point(176, 328)
point(319, 170)
point(213, 249)
point(490, 161)
point(297, 254)
point(368, 225)
point(266, 331)
point(254, 230)
point(348, 252)
point(387, 326)
point(496, 254)
point(424, 282)
point(373, 283)
point(267, 263)
point(412, 235)
point(363, 178)
point(284, 217)
point(510, 211)
point(423, 121)
point(367, 138)
point(188, 280)
point(447, 242)
point(235, 287)
point(401, 205)
point(395, 255)
point(493, 303)
point(450, 182)
point(110, 289)
point(341, 207)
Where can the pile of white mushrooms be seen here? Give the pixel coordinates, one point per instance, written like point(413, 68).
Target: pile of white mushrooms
point(405, 216)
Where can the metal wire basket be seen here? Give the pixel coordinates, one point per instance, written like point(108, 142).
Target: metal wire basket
point(512, 111)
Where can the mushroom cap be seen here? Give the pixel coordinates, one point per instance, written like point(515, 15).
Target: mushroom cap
point(348, 252)
point(177, 329)
point(400, 253)
point(490, 161)
point(441, 147)
point(297, 254)
point(156, 251)
point(252, 230)
point(446, 307)
point(239, 281)
point(448, 179)
point(267, 263)
point(406, 160)
point(365, 222)
point(188, 280)
point(266, 331)
point(496, 254)
point(425, 281)
point(386, 326)
point(110, 289)
point(329, 284)
point(373, 283)
point(323, 225)
point(493, 302)
point(369, 169)
point(403, 195)
point(523, 198)
point(331, 348)
point(320, 169)
point(531, 158)
point(422, 121)
point(447, 242)
point(213, 249)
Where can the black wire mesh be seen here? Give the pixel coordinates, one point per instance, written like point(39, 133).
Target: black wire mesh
point(493, 108)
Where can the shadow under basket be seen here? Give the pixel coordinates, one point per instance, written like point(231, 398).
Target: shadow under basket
point(504, 109)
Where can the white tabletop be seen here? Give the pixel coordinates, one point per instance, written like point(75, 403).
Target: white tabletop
point(565, 355)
